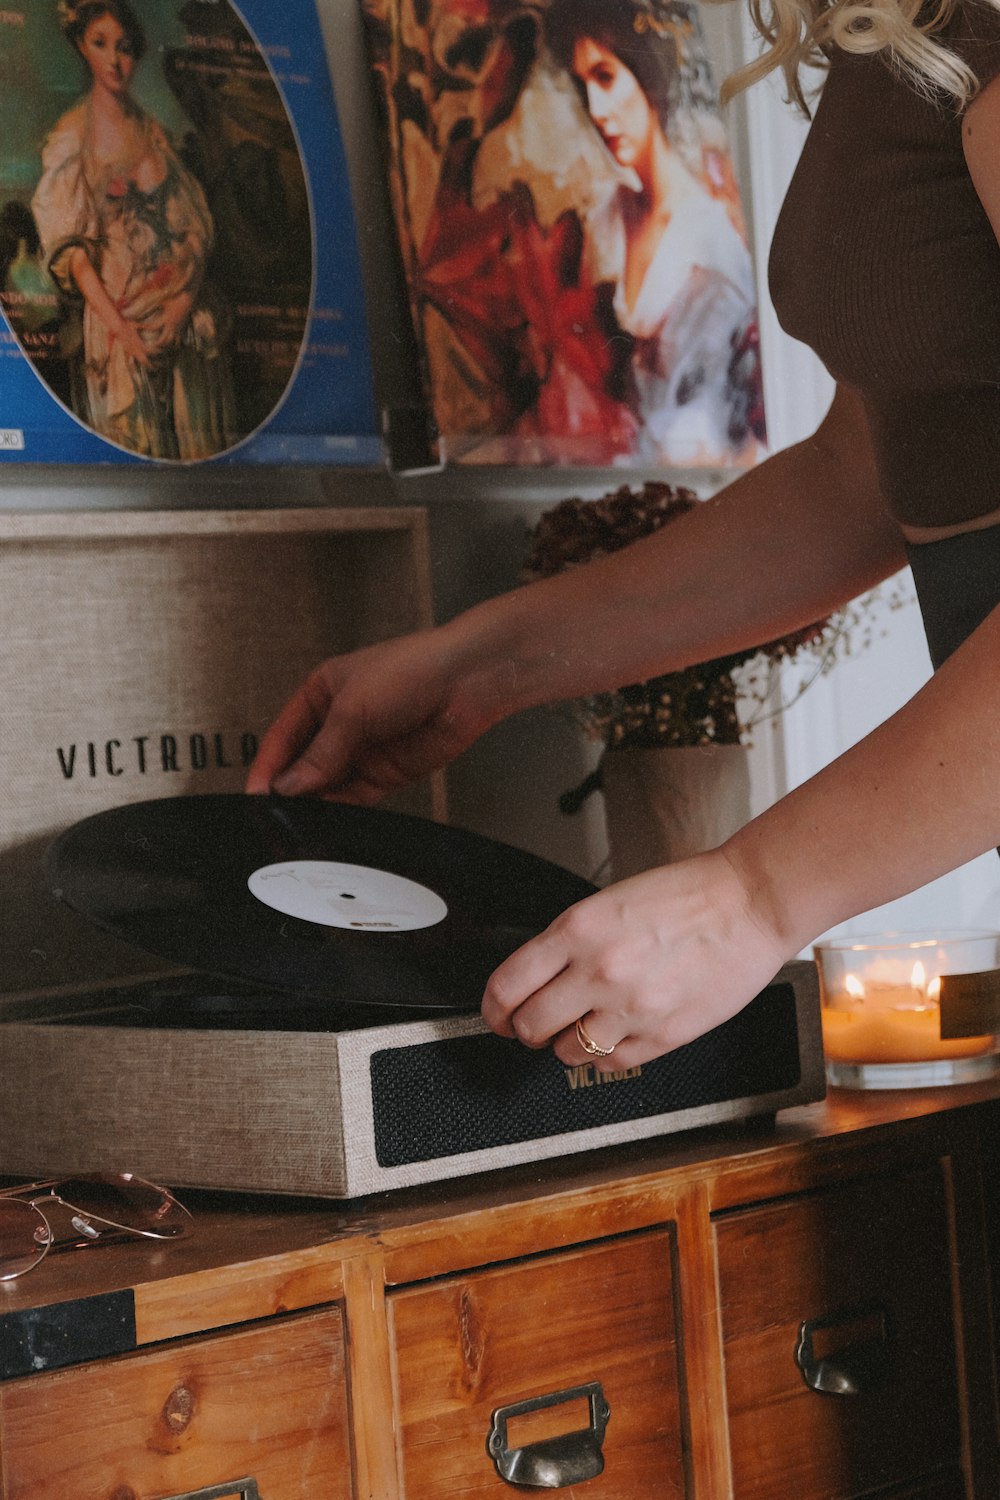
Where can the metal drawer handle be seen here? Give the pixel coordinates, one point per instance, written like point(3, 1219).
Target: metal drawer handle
point(558, 1462)
point(236, 1489)
point(859, 1365)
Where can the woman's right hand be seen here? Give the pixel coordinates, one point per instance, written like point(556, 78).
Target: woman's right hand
point(128, 335)
point(123, 330)
point(363, 725)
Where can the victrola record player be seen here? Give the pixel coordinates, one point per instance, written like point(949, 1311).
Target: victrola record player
point(264, 993)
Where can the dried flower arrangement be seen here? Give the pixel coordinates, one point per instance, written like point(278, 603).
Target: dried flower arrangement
point(719, 701)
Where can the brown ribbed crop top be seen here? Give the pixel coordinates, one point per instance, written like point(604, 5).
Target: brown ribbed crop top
point(885, 263)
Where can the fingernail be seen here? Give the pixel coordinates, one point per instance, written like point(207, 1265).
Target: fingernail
point(289, 783)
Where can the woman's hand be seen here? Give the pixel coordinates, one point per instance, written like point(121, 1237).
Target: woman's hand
point(646, 965)
point(364, 725)
point(123, 330)
point(129, 337)
point(165, 328)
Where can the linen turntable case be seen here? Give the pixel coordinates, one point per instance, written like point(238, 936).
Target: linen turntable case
point(145, 652)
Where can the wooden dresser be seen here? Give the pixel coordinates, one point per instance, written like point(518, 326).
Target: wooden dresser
point(800, 1313)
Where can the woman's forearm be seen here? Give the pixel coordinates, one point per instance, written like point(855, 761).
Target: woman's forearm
point(93, 290)
point(780, 548)
point(653, 961)
point(784, 545)
point(916, 798)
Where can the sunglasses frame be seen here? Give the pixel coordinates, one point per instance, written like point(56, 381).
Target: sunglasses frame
point(35, 1194)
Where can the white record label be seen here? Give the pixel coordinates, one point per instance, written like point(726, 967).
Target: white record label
point(355, 897)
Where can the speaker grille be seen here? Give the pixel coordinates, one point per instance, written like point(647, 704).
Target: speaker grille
point(443, 1098)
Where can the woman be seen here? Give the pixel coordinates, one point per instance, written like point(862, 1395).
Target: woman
point(682, 274)
point(887, 259)
point(125, 227)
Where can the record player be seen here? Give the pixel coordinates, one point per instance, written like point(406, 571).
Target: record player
point(323, 1035)
point(258, 1049)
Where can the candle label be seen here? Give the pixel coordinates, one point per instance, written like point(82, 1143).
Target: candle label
point(970, 1004)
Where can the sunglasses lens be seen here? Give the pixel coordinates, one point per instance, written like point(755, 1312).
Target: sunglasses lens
point(126, 1201)
point(24, 1237)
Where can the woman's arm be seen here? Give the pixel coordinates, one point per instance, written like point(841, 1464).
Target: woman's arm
point(658, 959)
point(918, 797)
point(779, 548)
point(782, 546)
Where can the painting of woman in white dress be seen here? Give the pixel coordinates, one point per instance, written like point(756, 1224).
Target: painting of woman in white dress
point(682, 274)
point(126, 232)
point(157, 249)
point(580, 282)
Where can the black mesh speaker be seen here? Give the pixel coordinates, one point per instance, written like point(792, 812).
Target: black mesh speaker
point(470, 1093)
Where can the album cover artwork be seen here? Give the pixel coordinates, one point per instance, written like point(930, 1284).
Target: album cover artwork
point(179, 271)
point(571, 231)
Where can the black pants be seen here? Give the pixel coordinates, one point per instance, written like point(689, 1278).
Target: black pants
point(958, 585)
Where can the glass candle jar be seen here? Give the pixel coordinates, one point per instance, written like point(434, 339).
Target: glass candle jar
point(882, 1012)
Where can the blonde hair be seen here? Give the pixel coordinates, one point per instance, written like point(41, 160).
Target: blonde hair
point(803, 33)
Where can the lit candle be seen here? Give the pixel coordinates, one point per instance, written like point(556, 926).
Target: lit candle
point(882, 999)
point(880, 1016)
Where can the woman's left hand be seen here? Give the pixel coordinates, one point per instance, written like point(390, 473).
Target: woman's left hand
point(646, 965)
point(165, 329)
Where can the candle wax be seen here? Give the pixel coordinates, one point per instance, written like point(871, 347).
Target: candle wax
point(891, 1026)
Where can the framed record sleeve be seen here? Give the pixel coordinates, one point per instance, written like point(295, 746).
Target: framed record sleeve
point(179, 271)
point(571, 231)
point(145, 653)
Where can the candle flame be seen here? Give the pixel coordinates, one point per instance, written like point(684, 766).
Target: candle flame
point(854, 987)
point(934, 989)
point(918, 978)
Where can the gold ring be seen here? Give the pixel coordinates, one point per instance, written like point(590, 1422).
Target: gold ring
point(589, 1045)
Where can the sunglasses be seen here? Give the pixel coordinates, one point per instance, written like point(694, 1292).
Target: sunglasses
point(101, 1206)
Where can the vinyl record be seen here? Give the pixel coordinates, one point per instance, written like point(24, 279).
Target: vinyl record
point(344, 904)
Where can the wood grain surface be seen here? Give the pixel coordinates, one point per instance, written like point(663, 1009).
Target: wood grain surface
point(268, 1402)
point(360, 1349)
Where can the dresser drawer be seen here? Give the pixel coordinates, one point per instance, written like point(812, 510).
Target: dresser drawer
point(471, 1346)
point(847, 1290)
point(265, 1403)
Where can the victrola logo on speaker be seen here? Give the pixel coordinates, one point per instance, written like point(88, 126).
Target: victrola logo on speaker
point(587, 1077)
